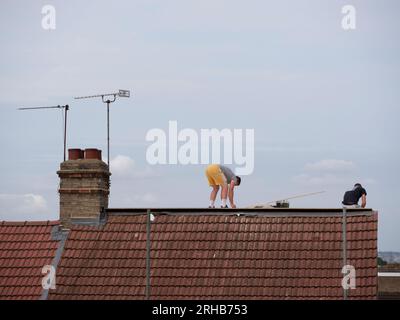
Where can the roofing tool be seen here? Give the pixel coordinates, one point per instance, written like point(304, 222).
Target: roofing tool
point(64, 114)
point(284, 203)
point(121, 94)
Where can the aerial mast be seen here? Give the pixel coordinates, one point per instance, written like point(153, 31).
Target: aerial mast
point(65, 108)
point(105, 98)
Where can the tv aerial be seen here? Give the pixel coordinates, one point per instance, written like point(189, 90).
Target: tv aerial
point(108, 98)
point(65, 108)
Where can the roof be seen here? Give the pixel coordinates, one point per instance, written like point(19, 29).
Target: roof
point(390, 267)
point(389, 285)
point(25, 247)
point(278, 254)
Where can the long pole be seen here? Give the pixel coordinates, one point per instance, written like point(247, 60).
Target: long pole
point(65, 131)
point(66, 108)
point(108, 134)
point(108, 101)
point(344, 246)
point(148, 226)
point(289, 198)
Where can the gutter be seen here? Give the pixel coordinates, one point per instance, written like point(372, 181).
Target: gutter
point(148, 230)
point(344, 246)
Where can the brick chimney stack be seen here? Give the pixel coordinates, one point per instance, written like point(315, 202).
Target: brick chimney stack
point(84, 187)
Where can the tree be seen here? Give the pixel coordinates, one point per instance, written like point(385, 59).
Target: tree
point(381, 262)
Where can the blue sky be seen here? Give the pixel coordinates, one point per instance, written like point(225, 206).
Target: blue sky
point(323, 101)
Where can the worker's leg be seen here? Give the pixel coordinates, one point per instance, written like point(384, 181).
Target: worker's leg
point(224, 194)
point(215, 179)
point(213, 195)
point(211, 171)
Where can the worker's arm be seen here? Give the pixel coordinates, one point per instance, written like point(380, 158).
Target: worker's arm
point(231, 193)
point(363, 201)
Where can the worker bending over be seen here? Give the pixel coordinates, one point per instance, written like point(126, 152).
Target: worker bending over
point(351, 198)
point(221, 176)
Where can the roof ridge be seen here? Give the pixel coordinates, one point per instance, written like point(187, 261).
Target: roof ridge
point(30, 223)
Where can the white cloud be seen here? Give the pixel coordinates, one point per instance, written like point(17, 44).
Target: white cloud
point(23, 207)
point(330, 165)
point(147, 198)
point(331, 172)
point(367, 181)
point(122, 165)
point(326, 172)
point(134, 200)
point(321, 180)
point(125, 167)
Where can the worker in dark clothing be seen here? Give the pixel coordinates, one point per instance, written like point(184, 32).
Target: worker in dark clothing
point(351, 198)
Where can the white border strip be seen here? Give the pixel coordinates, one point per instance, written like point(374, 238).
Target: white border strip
point(388, 274)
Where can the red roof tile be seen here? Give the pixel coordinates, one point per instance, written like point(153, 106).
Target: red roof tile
point(25, 247)
point(218, 257)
